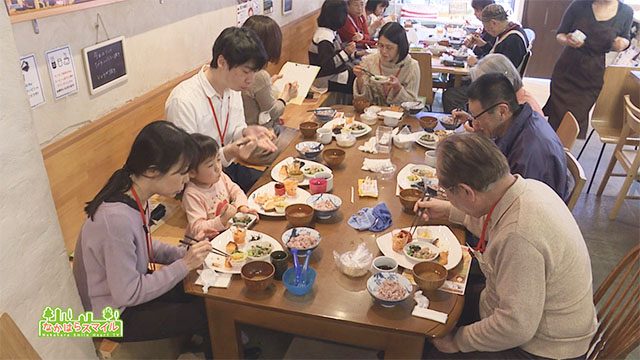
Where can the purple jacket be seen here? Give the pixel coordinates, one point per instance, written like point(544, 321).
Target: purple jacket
point(110, 261)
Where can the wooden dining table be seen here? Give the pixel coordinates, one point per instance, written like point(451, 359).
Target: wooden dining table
point(338, 308)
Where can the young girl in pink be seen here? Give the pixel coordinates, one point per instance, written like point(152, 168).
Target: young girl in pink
point(211, 198)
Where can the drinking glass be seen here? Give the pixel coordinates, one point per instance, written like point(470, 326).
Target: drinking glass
point(383, 139)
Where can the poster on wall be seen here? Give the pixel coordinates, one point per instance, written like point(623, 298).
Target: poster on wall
point(33, 9)
point(247, 8)
point(62, 71)
point(32, 83)
point(267, 7)
point(287, 6)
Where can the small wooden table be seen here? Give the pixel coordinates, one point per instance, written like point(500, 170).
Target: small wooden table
point(338, 308)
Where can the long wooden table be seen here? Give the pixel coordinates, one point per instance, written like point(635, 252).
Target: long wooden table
point(338, 308)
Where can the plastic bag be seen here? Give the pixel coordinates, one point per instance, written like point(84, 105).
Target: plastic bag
point(354, 263)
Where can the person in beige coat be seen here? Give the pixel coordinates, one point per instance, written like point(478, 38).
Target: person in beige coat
point(396, 75)
point(538, 296)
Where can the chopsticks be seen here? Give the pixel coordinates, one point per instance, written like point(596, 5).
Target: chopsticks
point(213, 249)
point(418, 215)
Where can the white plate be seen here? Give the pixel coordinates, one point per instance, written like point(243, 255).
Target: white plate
point(403, 181)
point(448, 241)
point(275, 171)
point(250, 216)
point(338, 121)
point(216, 262)
point(301, 198)
point(428, 145)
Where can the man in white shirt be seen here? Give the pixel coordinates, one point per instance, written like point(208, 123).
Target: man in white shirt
point(210, 102)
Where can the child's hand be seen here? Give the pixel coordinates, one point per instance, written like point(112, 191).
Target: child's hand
point(227, 213)
point(247, 210)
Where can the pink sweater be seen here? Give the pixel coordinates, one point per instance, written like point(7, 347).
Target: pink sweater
point(201, 204)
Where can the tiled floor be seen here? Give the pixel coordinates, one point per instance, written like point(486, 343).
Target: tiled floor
point(608, 241)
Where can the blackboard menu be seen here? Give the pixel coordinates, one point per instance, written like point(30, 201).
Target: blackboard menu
point(105, 64)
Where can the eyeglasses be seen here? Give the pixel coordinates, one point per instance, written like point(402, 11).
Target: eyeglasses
point(476, 117)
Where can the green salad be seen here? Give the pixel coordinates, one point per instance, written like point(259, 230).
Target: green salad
point(259, 250)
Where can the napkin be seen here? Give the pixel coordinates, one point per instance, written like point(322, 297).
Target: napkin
point(421, 309)
point(369, 146)
point(210, 278)
point(375, 165)
point(376, 219)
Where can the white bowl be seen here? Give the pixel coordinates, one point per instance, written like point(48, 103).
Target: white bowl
point(379, 79)
point(299, 231)
point(369, 118)
point(413, 107)
point(391, 121)
point(260, 246)
point(345, 140)
point(415, 246)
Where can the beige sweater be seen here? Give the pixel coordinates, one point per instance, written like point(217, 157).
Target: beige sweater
point(538, 293)
point(408, 72)
point(259, 99)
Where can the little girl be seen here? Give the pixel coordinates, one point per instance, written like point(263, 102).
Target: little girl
point(211, 198)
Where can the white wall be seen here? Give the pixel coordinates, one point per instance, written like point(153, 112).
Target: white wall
point(164, 40)
point(34, 270)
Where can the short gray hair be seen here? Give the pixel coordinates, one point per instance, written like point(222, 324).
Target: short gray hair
point(497, 63)
point(470, 159)
point(494, 12)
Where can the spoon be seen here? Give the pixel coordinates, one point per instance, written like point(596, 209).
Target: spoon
point(305, 267)
point(296, 266)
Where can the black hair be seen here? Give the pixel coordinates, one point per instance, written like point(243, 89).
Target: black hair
point(207, 148)
point(333, 14)
point(239, 46)
point(481, 4)
point(372, 5)
point(160, 146)
point(269, 33)
point(395, 33)
point(493, 88)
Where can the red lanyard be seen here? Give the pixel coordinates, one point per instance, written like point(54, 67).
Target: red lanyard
point(482, 244)
point(380, 68)
point(222, 134)
point(145, 226)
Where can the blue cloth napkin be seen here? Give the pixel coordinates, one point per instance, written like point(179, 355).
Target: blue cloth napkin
point(376, 219)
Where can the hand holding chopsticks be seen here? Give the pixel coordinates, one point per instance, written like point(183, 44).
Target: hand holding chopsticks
point(197, 251)
point(190, 241)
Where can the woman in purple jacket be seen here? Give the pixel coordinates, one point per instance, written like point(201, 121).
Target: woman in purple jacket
point(115, 256)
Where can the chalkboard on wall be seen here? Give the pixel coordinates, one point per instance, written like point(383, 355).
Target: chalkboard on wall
point(105, 64)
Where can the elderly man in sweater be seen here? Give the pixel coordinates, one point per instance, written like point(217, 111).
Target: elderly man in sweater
point(538, 296)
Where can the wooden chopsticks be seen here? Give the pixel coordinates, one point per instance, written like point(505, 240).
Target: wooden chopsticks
point(192, 240)
point(418, 215)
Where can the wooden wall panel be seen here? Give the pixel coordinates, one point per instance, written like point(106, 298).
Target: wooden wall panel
point(79, 164)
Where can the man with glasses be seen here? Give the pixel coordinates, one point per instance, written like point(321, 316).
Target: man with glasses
point(527, 140)
point(537, 302)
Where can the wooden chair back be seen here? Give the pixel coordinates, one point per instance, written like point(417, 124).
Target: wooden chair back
point(577, 172)
point(13, 343)
point(618, 302)
point(568, 130)
point(607, 118)
point(426, 76)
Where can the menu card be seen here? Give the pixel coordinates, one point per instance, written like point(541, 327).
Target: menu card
point(456, 282)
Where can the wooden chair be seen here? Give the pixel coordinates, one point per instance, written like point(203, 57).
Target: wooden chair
point(568, 130)
point(426, 80)
point(13, 343)
point(617, 302)
point(629, 159)
point(607, 117)
point(578, 176)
